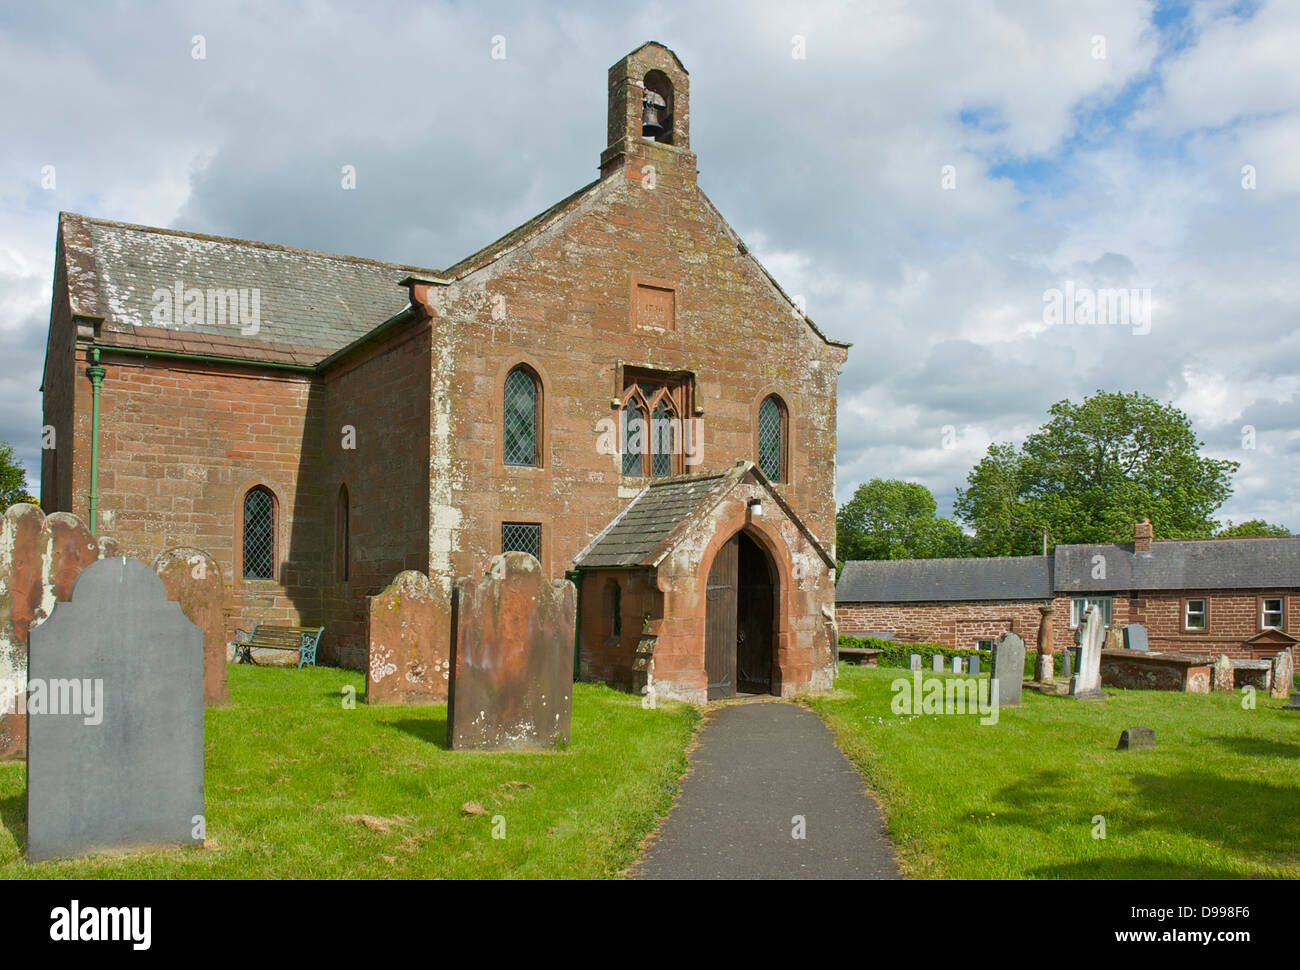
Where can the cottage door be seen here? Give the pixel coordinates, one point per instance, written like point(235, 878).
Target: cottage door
point(720, 622)
point(755, 610)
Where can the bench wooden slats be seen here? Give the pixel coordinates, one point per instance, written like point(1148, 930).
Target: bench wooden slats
point(268, 636)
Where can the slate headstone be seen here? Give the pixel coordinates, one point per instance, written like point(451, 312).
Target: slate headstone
point(1294, 703)
point(1086, 682)
point(1135, 637)
point(1008, 668)
point(1067, 663)
point(936, 662)
point(915, 661)
point(974, 666)
point(1136, 739)
point(119, 764)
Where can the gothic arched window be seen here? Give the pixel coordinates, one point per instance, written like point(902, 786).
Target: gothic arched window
point(773, 438)
point(259, 533)
point(521, 444)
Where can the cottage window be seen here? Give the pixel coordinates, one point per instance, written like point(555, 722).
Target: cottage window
point(1079, 608)
point(1195, 615)
point(522, 426)
point(259, 534)
point(522, 537)
point(1271, 612)
point(772, 434)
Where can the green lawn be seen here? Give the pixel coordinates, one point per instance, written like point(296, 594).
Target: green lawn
point(1219, 797)
point(297, 786)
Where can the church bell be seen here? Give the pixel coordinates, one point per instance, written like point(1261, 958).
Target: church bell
point(654, 115)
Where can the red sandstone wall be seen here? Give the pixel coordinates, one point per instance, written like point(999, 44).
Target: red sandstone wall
point(955, 625)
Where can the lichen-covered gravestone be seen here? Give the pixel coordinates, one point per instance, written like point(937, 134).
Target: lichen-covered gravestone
point(512, 658)
point(193, 579)
point(115, 718)
point(1086, 682)
point(1008, 669)
point(409, 634)
point(1283, 673)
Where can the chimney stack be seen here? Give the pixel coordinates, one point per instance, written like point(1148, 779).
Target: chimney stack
point(1142, 534)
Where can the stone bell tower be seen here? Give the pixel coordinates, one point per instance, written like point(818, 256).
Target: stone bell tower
point(649, 115)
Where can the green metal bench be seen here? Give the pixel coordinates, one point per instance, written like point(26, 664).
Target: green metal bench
point(266, 636)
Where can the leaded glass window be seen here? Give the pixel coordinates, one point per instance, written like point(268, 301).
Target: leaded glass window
point(522, 537)
point(663, 441)
point(653, 436)
point(634, 439)
point(771, 438)
point(521, 425)
point(259, 534)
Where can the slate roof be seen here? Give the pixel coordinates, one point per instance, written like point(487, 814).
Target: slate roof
point(918, 580)
point(1192, 564)
point(310, 303)
point(661, 514)
point(1271, 563)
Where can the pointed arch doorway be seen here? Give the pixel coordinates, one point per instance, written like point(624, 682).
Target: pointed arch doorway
point(740, 619)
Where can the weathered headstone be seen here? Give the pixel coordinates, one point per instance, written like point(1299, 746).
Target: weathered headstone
point(1114, 640)
point(410, 642)
point(936, 663)
point(1283, 673)
point(915, 661)
point(193, 579)
point(1067, 664)
point(1294, 703)
point(1224, 675)
point(115, 718)
point(974, 666)
point(956, 665)
point(1008, 668)
point(1086, 682)
point(512, 658)
point(1136, 739)
point(1135, 637)
point(1045, 664)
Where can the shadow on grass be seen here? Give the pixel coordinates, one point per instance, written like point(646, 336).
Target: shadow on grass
point(13, 816)
point(432, 730)
point(1243, 816)
point(1134, 867)
point(1258, 747)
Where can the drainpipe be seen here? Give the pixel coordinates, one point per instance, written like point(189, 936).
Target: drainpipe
point(96, 375)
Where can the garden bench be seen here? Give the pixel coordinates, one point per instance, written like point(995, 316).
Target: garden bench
point(265, 636)
point(862, 655)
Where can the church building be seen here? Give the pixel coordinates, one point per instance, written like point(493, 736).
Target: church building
point(617, 387)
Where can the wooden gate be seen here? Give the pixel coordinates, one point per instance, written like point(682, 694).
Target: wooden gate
point(720, 622)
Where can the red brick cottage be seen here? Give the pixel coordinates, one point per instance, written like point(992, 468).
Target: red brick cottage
point(321, 422)
point(1200, 597)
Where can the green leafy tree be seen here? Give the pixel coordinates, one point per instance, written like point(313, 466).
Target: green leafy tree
point(891, 519)
point(1251, 528)
point(13, 480)
point(1090, 473)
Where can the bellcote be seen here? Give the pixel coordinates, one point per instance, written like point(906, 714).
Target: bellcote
point(649, 114)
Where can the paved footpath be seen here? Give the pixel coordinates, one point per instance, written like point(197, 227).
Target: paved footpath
point(756, 767)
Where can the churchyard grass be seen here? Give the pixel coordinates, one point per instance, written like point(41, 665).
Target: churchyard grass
point(1216, 798)
point(297, 786)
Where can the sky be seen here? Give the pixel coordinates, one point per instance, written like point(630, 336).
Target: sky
point(944, 184)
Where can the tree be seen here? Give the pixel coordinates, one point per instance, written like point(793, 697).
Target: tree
point(1090, 473)
point(1252, 528)
point(891, 519)
point(13, 480)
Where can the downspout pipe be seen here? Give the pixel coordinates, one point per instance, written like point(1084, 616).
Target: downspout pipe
point(96, 374)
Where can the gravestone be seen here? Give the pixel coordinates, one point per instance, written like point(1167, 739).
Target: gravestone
point(1294, 703)
point(1114, 640)
point(1067, 663)
point(193, 579)
point(1224, 675)
point(974, 666)
point(1135, 637)
point(936, 663)
point(409, 636)
point(956, 665)
point(1086, 682)
point(1008, 668)
point(511, 658)
point(1136, 739)
point(915, 661)
point(1283, 673)
point(115, 744)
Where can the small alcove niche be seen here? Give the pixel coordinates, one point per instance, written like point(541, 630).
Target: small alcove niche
point(657, 108)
